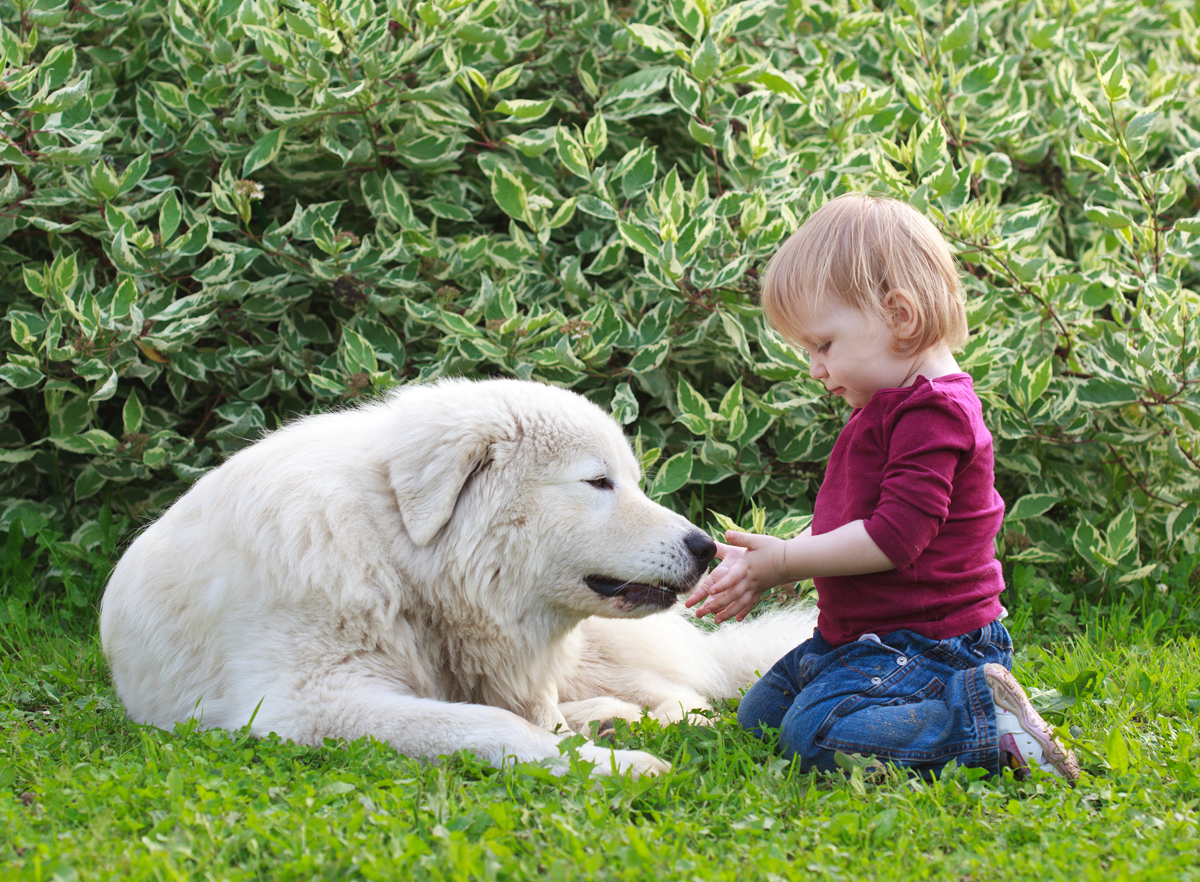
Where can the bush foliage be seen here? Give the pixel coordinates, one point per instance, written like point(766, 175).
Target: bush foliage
point(217, 214)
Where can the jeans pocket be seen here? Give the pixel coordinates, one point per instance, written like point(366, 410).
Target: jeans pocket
point(999, 639)
point(807, 668)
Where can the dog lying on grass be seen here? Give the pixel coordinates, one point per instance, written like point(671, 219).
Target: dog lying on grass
point(458, 565)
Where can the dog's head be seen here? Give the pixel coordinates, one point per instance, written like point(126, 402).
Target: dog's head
point(536, 489)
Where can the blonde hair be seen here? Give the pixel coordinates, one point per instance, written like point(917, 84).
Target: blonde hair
point(858, 249)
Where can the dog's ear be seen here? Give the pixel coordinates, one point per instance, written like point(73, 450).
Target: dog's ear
point(429, 482)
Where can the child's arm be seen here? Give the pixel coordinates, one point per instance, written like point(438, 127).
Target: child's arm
point(753, 564)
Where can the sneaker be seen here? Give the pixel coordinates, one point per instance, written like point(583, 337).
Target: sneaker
point(1025, 737)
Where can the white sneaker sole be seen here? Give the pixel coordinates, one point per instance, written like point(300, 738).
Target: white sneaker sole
point(1008, 694)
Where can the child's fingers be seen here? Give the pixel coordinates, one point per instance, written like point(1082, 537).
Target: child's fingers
point(733, 537)
point(742, 540)
point(702, 590)
point(722, 583)
point(738, 608)
point(726, 611)
point(698, 593)
point(715, 602)
point(720, 600)
point(724, 551)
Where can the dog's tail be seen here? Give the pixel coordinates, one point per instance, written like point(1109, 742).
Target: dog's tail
point(736, 654)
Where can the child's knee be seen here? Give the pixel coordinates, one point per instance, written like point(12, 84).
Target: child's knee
point(798, 740)
point(762, 709)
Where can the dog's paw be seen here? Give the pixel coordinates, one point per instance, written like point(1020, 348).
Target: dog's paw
point(690, 706)
point(636, 762)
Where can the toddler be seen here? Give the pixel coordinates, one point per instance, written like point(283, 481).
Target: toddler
point(909, 661)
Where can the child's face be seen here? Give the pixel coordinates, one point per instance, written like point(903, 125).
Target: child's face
point(850, 352)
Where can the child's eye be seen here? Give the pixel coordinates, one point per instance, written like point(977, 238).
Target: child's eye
point(824, 347)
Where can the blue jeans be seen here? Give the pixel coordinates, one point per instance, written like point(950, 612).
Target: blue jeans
point(903, 698)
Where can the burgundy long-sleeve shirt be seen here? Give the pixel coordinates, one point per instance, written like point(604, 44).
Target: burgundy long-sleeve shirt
point(916, 465)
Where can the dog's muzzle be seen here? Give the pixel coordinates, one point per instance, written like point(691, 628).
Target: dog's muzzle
point(658, 593)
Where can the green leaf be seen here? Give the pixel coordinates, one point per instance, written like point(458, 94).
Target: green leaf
point(1091, 546)
point(672, 475)
point(639, 237)
point(63, 274)
point(732, 401)
point(456, 324)
point(510, 195)
point(20, 376)
point(962, 33)
point(1107, 217)
point(1121, 534)
point(168, 216)
point(523, 110)
point(929, 149)
point(595, 135)
point(690, 401)
point(105, 390)
point(780, 84)
point(134, 173)
point(1032, 505)
point(64, 98)
point(701, 133)
point(996, 166)
point(1117, 751)
point(563, 214)
point(639, 174)
point(624, 405)
point(450, 211)
point(597, 207)
point(1115, 82)
point(1181, 521)
point(57, 66)
point(1106, 393)
point(356, 353)
point(264, 151)
point(104, 180)
point(507, 77)
point(17, 456)
point(10, 186)
point(685, 92)
point(654, 38)
point(650, 357)
point(570, 153)
point(706, 62)
point(608, 259)
point(1037, 381)
point(132, 413)
point(644, 83)
point(688, 16)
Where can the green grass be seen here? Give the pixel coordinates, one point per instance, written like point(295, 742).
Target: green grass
point(85, 794)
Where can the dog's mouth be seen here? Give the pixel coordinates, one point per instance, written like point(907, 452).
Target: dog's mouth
point(658, 594)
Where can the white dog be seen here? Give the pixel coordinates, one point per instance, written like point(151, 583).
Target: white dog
point(459, 565)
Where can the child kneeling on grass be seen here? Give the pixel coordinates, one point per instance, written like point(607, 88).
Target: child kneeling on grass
point(909, 661)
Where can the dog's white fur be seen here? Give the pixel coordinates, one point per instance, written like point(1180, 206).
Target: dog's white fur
point(414, 569)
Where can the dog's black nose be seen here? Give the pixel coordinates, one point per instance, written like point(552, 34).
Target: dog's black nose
point(701, 547)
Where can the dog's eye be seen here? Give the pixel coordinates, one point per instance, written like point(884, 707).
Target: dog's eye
point(601, 483)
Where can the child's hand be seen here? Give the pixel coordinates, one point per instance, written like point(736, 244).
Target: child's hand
point(729, 555)
point(750, 565)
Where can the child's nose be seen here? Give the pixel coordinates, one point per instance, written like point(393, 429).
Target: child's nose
point(816, 369)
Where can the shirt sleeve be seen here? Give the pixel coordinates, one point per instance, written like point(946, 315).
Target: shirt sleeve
point(925, 447)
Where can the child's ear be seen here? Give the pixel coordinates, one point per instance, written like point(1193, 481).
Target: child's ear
point(902, 314)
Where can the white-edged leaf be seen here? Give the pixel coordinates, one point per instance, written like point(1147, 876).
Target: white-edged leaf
point(1032, 505)
point(263, 152)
